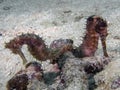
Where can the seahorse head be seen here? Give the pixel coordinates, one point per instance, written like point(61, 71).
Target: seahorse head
point(98, 24)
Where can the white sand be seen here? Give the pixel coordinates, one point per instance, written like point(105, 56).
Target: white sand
point(53, 19)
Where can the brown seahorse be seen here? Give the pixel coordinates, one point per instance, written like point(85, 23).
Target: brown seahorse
point(36, 46)
point(96, 27)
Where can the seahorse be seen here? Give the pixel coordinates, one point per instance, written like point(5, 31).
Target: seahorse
point(96, 28)
point(36, 46)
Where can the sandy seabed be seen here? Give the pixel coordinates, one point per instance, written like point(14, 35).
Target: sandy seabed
point(53, 19)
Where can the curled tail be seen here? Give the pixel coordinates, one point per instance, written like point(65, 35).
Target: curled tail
point(36, 46)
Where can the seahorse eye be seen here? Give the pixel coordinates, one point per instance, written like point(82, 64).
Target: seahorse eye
point(91, 18)
point(103, 24)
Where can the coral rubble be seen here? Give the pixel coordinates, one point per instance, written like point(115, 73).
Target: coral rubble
point(23, 78)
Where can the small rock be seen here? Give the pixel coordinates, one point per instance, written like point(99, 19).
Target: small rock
point(1, 1)
point(6, 8)
point(67, 11)
point(116, 83)
point(116, 37)
point(78, 18)
point(0, 34)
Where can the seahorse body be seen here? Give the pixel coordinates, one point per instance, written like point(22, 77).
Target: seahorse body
point(36, 46)
point(96, 28)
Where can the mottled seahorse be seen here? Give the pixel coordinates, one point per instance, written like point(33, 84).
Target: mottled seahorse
point(36, 46)
point(96, 27)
